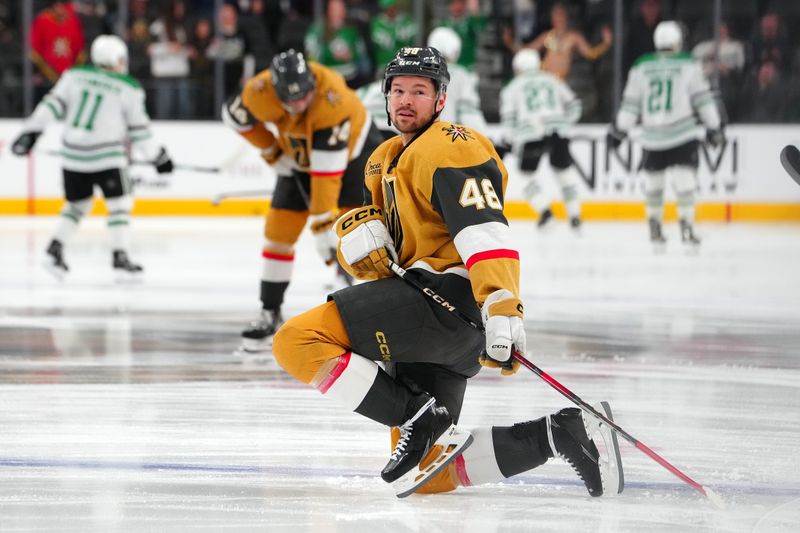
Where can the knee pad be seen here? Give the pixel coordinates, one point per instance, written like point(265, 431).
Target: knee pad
point(683, 179)
point(567, 177)
point(78, 208)
point(120, 205)
point(653, 181)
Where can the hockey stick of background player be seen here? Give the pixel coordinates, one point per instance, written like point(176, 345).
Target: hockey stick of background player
point(218, 198)
point(790, 159)
point(178, 166)
point(571, 396)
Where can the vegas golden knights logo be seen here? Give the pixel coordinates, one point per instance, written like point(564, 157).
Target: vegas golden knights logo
point(392, 215)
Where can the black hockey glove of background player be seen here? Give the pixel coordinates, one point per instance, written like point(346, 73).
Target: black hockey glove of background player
point(615, 136)
point(24, 143)
point(715, 137)
point(163, 163)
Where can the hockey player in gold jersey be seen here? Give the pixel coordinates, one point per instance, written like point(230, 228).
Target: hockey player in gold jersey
point(317, 135)
point(390, 353)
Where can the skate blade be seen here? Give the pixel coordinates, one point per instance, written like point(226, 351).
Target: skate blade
point(452, 443)
point(128, 278)
point(610, 462)
point(59, 273)
point(254, 347)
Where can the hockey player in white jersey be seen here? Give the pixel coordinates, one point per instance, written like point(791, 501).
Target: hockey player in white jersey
point(101, 108)
point(536, 111)
point(463, 101)
point(670, 99)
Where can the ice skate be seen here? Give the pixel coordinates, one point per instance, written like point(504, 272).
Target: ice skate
point(657, 236)
point(544, 219)
point(54, 260)
point(124, 269)
point(607, 444)
point(568, 433)
point(257, 336)
point(429, 441)
point(576, 224)
point(688, 237)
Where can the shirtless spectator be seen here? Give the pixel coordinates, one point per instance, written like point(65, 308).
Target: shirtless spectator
point(558, 44)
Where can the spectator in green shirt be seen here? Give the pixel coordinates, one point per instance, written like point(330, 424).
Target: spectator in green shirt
point(391, 30)
point(335, 43)
point(465, 18)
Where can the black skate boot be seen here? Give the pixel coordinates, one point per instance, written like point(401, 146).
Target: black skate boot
point(569, 440)
point(256, 336)
point(544, 218)
point(575, 223)
point(54, 260)
point(124, 269)
point(656, 236)
point(687, 234)
point(429, 441)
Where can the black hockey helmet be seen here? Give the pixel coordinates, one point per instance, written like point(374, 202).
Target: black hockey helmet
point(291, 76)
point(411, 61)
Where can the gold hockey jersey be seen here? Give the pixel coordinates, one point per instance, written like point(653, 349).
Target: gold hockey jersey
point(321, 141)
point(443, 202)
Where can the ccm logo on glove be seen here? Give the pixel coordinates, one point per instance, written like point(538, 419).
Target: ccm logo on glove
point(359, 215)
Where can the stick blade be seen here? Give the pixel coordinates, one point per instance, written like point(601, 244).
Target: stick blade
point(790, 159)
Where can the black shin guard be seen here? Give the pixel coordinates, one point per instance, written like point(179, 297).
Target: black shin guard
point(386, 401)
point(272, 294)
point(521, 447)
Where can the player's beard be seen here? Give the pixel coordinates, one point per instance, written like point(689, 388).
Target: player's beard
point(410, 124)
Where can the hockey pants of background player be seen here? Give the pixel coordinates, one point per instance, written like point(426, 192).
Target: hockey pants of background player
point(563, 169)
point(314, 348)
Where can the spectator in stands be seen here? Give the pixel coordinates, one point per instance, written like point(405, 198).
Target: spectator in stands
point(336, 44)
point(764, 96)
point(729, 65)
point(10, 63)
point(169, 62)
point(467, 21)
point(558, 44)
point(391, 30)
point(137, 36)
point(202, 68)
point(257, 34)
point(770, 43)
point(233, 48)
point(57, 43)
point(640, 34)
point(92, 14)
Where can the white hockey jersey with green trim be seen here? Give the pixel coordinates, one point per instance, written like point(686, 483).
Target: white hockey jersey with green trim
point(534, 105)
point(101, 111)
point(668, 96)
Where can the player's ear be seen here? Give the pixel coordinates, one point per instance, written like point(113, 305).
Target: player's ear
point(440, 102)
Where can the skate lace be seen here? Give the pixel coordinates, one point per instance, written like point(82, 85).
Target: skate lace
point(407, 431)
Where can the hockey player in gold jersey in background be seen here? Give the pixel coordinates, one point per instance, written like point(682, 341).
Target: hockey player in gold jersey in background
point(317, 135)
point(385, 350)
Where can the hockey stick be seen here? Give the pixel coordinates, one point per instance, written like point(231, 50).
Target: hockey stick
point(218, 198)
point(564, 391)
point(178, 166)
point(790, 159)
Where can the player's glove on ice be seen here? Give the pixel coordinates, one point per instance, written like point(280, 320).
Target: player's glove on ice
point(163, 163)
point(502, 321)
point(365, 246)
point(24, 143)
point(322, 228)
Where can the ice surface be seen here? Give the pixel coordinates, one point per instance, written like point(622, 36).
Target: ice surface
point(122, 408)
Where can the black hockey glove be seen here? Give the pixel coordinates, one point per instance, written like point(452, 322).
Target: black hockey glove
point(163, 163)
point(615, 136)
point(24, 143)
point(502, 149)
point(715, 137)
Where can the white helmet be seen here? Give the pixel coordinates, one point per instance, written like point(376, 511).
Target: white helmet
point(526, 60)
point(447, 41)
point(668, 36)
point(109, 51)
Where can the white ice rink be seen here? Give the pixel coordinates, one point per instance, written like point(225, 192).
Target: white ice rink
point(123, 410)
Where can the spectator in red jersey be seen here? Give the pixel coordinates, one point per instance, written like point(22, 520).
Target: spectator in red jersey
point(56, 40)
